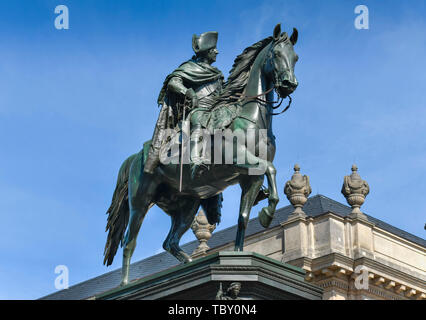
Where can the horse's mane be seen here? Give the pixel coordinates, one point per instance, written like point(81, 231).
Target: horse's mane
point(238, 76)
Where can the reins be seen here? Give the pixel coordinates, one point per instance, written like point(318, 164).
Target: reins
point(258, 99)
point(285, 109)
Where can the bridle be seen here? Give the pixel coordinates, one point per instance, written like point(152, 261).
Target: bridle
point(243, 99)
point(247, 99)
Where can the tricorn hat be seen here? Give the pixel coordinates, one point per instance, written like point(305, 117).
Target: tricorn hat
point(204, 41)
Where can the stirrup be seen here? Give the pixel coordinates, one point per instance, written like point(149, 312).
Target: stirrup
point(197, 168)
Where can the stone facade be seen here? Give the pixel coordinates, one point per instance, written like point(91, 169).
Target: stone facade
point(349, 257)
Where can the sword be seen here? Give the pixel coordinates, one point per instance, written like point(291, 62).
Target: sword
point(182, 150)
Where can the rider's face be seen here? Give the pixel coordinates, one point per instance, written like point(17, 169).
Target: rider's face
point(211, 55)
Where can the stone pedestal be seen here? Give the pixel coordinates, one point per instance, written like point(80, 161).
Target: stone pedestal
point(260, 278)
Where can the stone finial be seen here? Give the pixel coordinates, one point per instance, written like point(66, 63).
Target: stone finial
point(203, 231)
point(355, 190)
point(297, 191)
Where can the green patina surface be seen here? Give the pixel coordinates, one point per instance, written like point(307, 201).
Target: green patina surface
point(181, 189)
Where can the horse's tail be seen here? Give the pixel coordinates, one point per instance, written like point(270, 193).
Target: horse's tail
point(118, 212)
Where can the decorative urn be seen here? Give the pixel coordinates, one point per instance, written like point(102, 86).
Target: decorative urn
point(297, 191)
point(355, 190)
point(203, 231)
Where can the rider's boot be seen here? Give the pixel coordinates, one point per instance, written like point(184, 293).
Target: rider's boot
point(197, 162)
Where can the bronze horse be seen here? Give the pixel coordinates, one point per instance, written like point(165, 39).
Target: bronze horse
point(262, 67)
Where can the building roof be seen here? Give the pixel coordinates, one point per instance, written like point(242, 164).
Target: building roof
point(315, 206)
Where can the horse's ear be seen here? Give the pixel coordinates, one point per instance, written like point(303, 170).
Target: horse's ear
point(294, 36)
point(277, 31)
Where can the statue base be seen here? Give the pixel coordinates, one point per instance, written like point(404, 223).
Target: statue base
point(261, 278)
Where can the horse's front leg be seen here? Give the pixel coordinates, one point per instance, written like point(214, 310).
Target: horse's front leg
point(267, 213)
point(264, 167)
point(250, 186)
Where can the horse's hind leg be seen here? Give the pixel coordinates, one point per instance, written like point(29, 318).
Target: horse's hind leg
point(136, 217)
point(141, 192)
point(182, 218)
point(250, 186)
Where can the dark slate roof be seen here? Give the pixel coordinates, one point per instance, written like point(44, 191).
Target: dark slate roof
point(315, 206)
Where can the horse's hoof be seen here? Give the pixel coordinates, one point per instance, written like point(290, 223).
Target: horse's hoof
point(124, 283)
point(265, 217)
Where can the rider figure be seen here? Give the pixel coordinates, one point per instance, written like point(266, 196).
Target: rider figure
point(195, 80)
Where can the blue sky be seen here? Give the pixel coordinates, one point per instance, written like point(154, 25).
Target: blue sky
point(75, 103)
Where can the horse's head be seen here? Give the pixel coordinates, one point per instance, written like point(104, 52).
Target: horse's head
point(281, 61)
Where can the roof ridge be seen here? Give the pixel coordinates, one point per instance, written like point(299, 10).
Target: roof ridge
point(393, 227)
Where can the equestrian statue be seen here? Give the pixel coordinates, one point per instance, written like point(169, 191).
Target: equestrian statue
point(195, 101)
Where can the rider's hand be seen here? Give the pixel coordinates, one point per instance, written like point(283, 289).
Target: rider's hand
point(192, 96)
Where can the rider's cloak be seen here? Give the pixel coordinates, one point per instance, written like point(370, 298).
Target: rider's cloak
point(193, 74)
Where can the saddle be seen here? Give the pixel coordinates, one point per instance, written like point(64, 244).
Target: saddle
point(218, 117)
